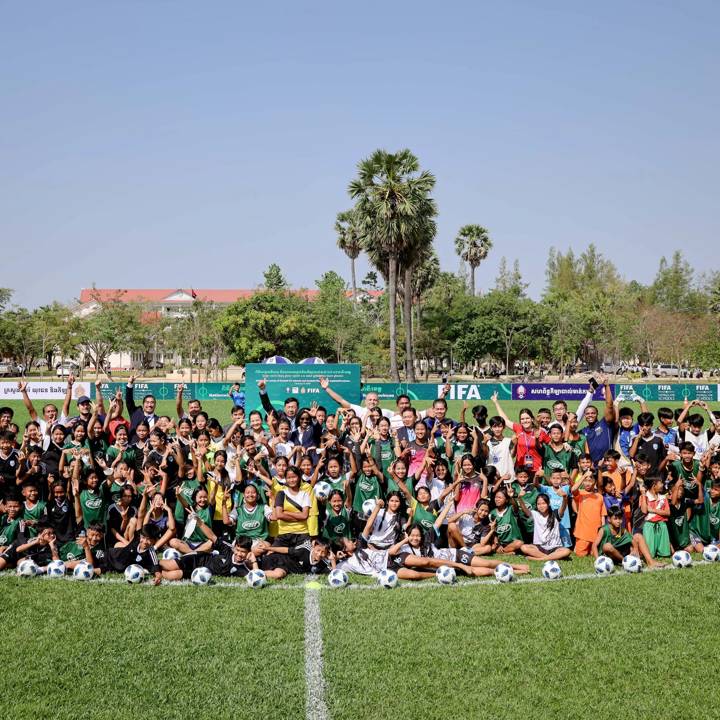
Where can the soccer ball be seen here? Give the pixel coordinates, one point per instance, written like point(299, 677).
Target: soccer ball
point(27, 568)
point(604, 565)
point(551, 570)
point(445, 575)
point(200, 576)
point(256, 579)
point(367, 507)
point(322, 490)
point(711, 553)
point(338, 578)
point(83, 571)
point(134, 574)
point(56, 569)
point(682, 559)
point(632, 564)
point(504, 573)
point(171, 554)
point(387, 578)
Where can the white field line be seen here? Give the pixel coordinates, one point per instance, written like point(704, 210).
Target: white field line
point(488, 582)
point(315, 707)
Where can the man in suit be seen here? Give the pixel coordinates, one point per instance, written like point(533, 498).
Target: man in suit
point(138, 414)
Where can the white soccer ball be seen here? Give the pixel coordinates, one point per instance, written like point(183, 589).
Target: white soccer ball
point(551, 570)
point(632, 564)
point(200, 576)
point(604, 565)
point(387, 578)
point(504, 573)
point(56, 569)
point(711, 553)
point(682, 559)
point(322, 490)
point(83, 571)
point(171, 554)
point(338, 578)
point(27, 568)
point(445, 575)
point(134, 574)
point(367, 507)
point(256, 579)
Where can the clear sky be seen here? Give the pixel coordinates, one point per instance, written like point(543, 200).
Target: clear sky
point(179, 144)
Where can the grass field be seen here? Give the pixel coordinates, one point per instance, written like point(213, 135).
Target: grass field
point(626, 646)
point(221, 408)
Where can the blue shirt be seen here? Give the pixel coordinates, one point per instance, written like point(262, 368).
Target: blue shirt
point(625, 438)
point(238, 398)
point(599, 439)
point(556, 501)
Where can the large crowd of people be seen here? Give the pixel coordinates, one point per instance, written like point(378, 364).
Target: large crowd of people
point(297, 489)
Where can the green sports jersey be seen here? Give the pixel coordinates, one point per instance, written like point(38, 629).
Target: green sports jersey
point(530, 499)
point(71, 551)
point(9, 530)
point(424, 516)
point(678, 470)
point(186, 489)
point(578, 446)
point(128, 456)
point(507, 529)
point(205, 514)
point(700, 519)
point(457, 449)
point(679, 526)
point(34, 514)
point(384, 454)
point(337, 525)
point(713, 511)
point(558, 460)
point(338, 483)
point(366, 488)
point(615, 539)
point(251, 522)
point(94, 505)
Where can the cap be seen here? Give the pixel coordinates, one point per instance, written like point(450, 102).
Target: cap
point(83, 399)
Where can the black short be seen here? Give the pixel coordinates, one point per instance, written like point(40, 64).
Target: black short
point(464, 556)
point(188, 563)
point(290, 540)
point(625, 549)
point(545, 550)
point(397, 561)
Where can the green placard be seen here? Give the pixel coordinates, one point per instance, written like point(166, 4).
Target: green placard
point(302, 382)
point(168, 390)
point(668, 392)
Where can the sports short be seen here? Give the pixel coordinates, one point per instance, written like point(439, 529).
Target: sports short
point(547, 550)
point(583, 547)
point(696, 539)
point(188, 563)
point(290, 540)
point(397, 561)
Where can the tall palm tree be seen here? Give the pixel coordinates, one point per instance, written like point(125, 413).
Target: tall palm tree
point(391, 194)
point(473, 244)
point(349, 241)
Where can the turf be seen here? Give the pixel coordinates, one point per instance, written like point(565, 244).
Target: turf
point(630, 646)
point(97, 651)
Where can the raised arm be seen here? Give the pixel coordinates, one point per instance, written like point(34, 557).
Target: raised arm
point(129, 396)
point(68, 396)
point(609, 407)
point(179, 401)
point(339, 399)
point(99, 400)
point(500, 411)
point(27, 402)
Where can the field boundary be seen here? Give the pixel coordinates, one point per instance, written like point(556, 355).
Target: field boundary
point(315, 706)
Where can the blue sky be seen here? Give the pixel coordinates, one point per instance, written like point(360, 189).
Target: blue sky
point(178, 144)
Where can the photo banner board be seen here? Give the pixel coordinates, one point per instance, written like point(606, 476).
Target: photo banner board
point(302, 382)
point(669, 392)
point(551, 392)
point(49, 390)
point(168, 390)
point(429, 392)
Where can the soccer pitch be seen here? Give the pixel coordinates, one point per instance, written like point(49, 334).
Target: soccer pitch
point(581, 647)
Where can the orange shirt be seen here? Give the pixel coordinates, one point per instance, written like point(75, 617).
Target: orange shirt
point(590, 514)
point(617, 477)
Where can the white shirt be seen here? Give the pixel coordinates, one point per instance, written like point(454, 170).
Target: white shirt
point(364, 414)
point(383, 529)
point(542, 535)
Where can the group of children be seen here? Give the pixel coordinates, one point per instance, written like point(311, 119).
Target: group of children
point(301, 490)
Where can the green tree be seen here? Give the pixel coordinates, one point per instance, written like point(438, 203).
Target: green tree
point(349, 240)
point(197, 336)
point(274, 278)
point(50, 325)
point(393, 204)
point(339, 325)
point(473, 244)
point(269, 323)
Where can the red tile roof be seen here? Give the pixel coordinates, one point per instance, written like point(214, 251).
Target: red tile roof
point(161, 295)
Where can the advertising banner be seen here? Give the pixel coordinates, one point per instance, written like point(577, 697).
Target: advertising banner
point(41, 391)
point(302, 382)
point(168, 390)
point(553, 391)
point(429, 391)
point(669, 392)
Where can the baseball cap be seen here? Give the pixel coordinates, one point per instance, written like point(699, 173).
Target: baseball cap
point(83, 399)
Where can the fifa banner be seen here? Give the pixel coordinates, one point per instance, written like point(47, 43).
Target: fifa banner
point(553, 391)
point(429, 391)
point(675, 392)
point(302, 382)
point(168, 390)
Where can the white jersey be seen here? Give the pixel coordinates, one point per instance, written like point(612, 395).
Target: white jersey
point(542, 535)
point(500, 457)
point(382, 534)
point(365, 562)
point(364, 414)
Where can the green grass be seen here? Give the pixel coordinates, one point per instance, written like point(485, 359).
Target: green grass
point(97, 651)
point(630, 646)
point(626, 646)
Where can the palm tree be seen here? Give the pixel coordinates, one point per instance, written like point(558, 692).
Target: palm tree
point(391, 196)
point(473, 244)
point(349, 241)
